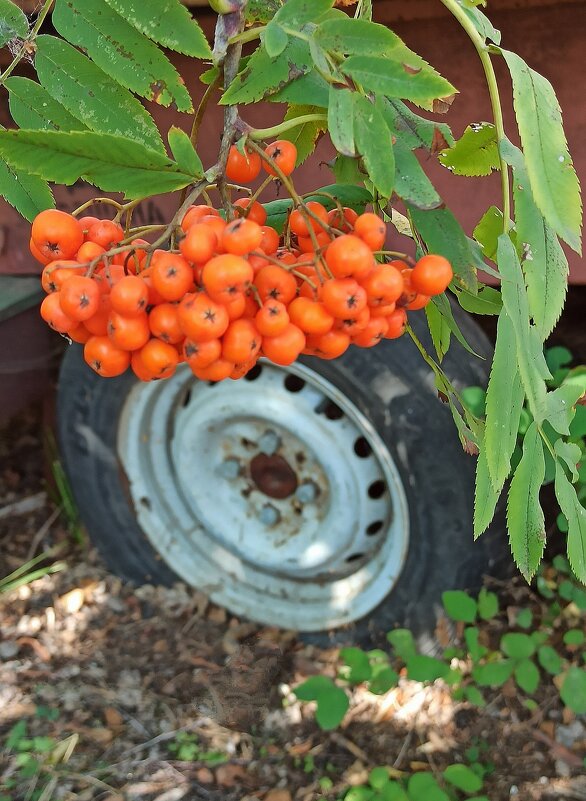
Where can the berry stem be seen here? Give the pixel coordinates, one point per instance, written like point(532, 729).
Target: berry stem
point(98, 201)
point(27, 42)
point(493, 90)
point(276, 130)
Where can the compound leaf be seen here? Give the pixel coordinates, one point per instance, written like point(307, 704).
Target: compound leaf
point(341, 119)
point(374, 143)
point(13, 23)
point(33, 108)
point(29, 194)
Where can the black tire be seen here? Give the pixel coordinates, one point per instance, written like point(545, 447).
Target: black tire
point(394, 388)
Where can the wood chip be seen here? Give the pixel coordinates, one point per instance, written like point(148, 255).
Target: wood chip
point(113, 718)
point(232, 775)
point(278, 795)
point(24, 506)
point(204, 776)
point(72, 601)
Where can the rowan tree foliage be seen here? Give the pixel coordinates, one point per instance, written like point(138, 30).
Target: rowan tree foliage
point(356, 81)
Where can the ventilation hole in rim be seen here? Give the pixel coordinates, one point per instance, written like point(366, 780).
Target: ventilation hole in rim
point(362, 448)
point(374, 528)
point(253, 374)
point(146, 502)
point(187, 398)
point(354, 557)
point(294, 383)
point(377, 489)
point(331, 411)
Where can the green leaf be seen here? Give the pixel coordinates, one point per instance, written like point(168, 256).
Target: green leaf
point(167, 22)
point(524, 618)
point(488, 231)
point(359, 37)
point(493, 674)
point(426, 668)
point(184, 153)
point(356, 197)
point(374, 143)
point(310, 88)
point(114, 163)
point(414, 81)
point(29, 194)
point(274, 39)
point(525, 521)
point(424, 787)
point(474, 696)
point(488, 301)
point(516, 645)
point(443, 234)
point(298, 12)
point(411, 182)
point(33, 108)
point(475, 153)
point(265, 76)
point(471, 637)
point(560, 406)
point(121, 51)
point(463, 778)
point(439, 330)
point(383, 678)
point(573, 690)
point(504, 401)
point(516, 304)
point(482, 23)
point(459, 605)
point(13, 23)
point(15, 735)
point(549, 659)
point(341, 119)
point(557, 357)
point(304, 136)
point(91, 95)
point(359, 794)
point(357, 665)
point(544, 262)
point(574, 637)
point(414, 131)
point(575, 514)
point(553, 180)
point(378, 778)
point(474, 398)
point(488, 604)
point(578, 425)
point(403, 643)
point(332, 701)
point(485, 495)
point(527, 676)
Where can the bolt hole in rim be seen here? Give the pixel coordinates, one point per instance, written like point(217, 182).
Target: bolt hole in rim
point(324, 554)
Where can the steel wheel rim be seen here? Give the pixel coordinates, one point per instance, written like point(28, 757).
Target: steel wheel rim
point(200, 460)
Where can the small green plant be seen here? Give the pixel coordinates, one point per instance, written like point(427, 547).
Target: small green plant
point(32, 570)
point(36, 760)
point(187, 748)
point(530, 657)
point(456, 782)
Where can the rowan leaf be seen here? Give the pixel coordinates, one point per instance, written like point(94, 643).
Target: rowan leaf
point(544, 262)
point(113, 163)
point(554, 183)
point(33, 108)
point(310, 88)
point(299, 12)
point(341, 119)
point(29, 194)
point(92, 96)
point(13, 23)
point(487, 301)
point(575, 514)
point(304, 136)
point(264, 76)
point(184, 152)
point(475, 153)
point(415, 131)
point(411, 182)
point(504, 401)
point(525, 521)
point(482, 24)
point(374, 143)
point(485, 495)
point(439, 331)
point(414, 81)
point(443, 234)
point(488, 231)
point(121, 51)
point(167, 22)
point(274, 39)
point(529, 348)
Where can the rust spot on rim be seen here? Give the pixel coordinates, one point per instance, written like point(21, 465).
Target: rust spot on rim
point(273, 475)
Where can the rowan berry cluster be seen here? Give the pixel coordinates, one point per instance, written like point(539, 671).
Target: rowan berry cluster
point(232, 291)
